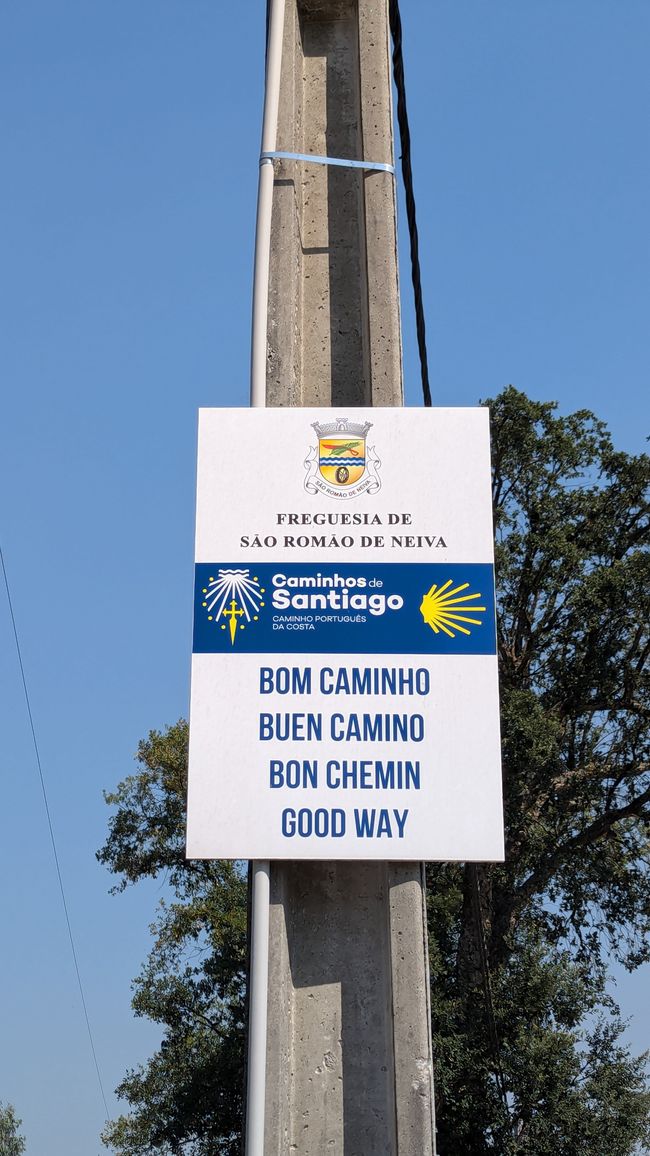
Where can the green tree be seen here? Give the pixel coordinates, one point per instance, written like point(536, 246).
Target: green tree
point(11, 1142)
point(188, 1097)
point(545, 1073)
point(527, 1044)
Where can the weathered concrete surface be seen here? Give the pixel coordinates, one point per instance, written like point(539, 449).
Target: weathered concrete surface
point(349, 1052)
point(334, 332)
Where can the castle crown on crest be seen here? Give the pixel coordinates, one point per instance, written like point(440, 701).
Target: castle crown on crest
point(341, 426)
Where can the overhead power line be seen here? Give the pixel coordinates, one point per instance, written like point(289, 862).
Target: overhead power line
point(487, 989)
point(407, 176)
point(51, 830)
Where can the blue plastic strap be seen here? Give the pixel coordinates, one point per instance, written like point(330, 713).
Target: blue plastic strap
point(269, 157)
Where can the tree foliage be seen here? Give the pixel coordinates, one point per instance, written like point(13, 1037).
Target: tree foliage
point(188, 1097)
point(573, 595)
point(11, 1142)
point(526, 1037)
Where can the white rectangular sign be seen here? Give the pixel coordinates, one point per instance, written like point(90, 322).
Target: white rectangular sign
point(344, 673)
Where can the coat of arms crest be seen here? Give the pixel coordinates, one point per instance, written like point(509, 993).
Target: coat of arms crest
point(342, 465)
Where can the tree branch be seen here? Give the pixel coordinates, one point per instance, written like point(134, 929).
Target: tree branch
point(539, 879)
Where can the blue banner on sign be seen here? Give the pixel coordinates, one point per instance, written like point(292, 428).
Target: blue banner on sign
point(387, 608)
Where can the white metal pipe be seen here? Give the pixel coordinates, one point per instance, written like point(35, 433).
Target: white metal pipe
point(265, 203)
point(258, 1008)
point(258, 995)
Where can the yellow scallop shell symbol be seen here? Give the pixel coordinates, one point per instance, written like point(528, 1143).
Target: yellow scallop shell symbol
point(446, 609)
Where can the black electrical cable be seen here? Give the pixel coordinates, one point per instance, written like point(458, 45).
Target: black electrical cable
point(51, 831)
point(487, 987)
point(407, 176)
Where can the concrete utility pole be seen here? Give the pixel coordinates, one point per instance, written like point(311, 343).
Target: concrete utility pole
point(348, 1067)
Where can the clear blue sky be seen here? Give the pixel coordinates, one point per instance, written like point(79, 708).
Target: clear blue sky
point(129, 167)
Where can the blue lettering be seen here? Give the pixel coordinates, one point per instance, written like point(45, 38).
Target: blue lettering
point(373, 824)
point(321, 823)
